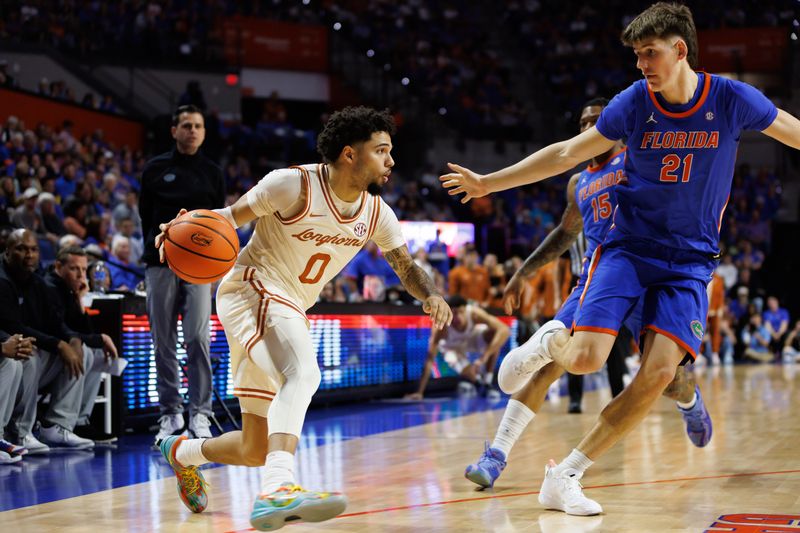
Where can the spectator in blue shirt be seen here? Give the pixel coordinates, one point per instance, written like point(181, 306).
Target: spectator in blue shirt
point(757, 340)
point(124, 275)
point(776, 320)
point(65, 185)
point(368, 262)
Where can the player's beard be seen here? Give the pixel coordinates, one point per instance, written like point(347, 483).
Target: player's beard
point(374, 188)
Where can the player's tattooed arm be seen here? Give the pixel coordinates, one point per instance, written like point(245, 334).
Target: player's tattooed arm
point(559, 240)
point(419, 285)
point(555, 244)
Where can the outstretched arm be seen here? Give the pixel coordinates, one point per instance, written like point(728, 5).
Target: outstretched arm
point(786, 129)
point(419, 285)
point(555, 244)
point(549, 161)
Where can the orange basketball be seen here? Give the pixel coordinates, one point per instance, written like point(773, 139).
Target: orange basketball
point(201, 246)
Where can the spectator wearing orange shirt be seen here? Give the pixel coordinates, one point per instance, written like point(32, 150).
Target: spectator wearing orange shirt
point(469, 279)
point(546, 291)
point(497, 281)
point(716, 308)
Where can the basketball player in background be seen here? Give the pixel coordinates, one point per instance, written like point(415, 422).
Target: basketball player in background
point(683, 129)
point(182, 177)
point(591, 197)
point(311, 220)
point(473, 331)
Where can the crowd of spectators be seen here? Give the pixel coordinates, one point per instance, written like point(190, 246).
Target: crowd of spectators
point(85, 191)
point(58, 90)
point(69, 190)
point(461, 58)
point(575, 50)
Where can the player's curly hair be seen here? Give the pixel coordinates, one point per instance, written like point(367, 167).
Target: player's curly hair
point(662, 20)
point(350, 126)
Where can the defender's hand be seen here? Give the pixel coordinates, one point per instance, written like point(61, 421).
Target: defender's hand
point(464, 180)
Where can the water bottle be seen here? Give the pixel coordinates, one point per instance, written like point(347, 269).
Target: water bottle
point(99, 277)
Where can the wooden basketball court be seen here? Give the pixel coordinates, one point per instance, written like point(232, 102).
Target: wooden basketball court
point(412, 479)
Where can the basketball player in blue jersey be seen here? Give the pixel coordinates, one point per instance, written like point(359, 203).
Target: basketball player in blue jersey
point(682, 129)
point(590, 202)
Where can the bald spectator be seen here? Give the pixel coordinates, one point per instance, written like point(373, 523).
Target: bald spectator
point(57, 364)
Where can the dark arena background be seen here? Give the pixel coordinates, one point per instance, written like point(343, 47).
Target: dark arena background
point(87, 95)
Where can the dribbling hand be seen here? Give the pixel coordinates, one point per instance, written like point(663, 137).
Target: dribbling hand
point(440, 313)
point(464, 180)
point(163, 235)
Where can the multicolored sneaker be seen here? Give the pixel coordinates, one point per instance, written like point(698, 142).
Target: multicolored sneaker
point(12, 449)
point(191, 484)
point(488, 468)
point(698, 421)
point(292, 503)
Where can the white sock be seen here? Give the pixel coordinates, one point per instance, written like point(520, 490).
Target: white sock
point(279, 470)
point(576, 461)
point(487, 378)
point(689, 404)
point(515, 419)
point(190, 453)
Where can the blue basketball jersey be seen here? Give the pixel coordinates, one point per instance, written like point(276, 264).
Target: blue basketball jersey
point(680, 159)
point(596, 200)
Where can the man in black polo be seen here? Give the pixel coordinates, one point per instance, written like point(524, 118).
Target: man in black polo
point(26, 308)
point(180, 178)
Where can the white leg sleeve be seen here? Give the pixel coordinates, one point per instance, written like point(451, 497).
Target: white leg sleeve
point(291, 353)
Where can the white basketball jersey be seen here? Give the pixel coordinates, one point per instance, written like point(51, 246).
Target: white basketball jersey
point(463, 341)
point(294, 258)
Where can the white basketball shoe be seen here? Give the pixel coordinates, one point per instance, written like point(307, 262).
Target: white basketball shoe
point(523, 361)
point(563, 492)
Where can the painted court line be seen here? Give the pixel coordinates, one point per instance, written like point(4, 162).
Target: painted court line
point(529, 493)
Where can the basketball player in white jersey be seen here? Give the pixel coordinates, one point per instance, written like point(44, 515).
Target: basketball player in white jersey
point(311, 220)
point(472, 332)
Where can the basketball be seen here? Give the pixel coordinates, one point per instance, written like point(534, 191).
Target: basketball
point(201, 246)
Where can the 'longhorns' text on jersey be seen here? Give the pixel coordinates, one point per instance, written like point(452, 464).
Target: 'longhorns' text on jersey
point(305, 235)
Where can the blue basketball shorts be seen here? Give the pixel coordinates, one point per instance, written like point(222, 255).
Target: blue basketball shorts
point(671, 291)
point(633, 321)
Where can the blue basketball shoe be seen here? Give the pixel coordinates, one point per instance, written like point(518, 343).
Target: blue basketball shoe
point(191, 483)
point(698, 421)
point(292, 503)
point(488, 468)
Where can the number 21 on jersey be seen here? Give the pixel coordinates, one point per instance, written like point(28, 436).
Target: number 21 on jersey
point(670, 164)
